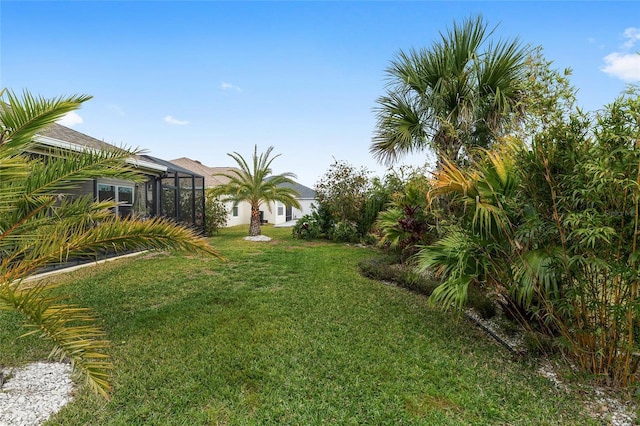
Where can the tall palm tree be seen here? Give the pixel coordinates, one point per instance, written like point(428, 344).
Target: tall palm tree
point(450, 97)
point(41, 224)
point(256, 186)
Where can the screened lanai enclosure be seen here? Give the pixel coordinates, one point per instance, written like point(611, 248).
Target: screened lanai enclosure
point(177, 194)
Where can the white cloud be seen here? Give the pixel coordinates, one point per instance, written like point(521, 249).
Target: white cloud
point(633, 35)
point(229, 86)
point(70, 119)
point(115, 108)
point(624, 65)
point(169, 119)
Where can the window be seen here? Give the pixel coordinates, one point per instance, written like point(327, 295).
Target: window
point(280, 210)
point(123, 195)
point(234, 213)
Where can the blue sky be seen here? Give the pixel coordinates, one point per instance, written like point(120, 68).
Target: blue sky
point(202, 79)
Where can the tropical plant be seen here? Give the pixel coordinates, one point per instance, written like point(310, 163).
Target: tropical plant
point(452, 97)
point(313, 226)
point(552, 227)
point(408, 222)
point(41, 224)
point(345, 232)
point(256, 185)
point(476, 251)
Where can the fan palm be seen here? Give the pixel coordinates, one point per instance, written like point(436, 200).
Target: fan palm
point(42, 224)
point(255, 185)
point(450, 97)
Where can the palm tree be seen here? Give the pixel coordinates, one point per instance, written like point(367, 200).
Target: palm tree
point(450, 97)
point(254, 185)
point(41, 224)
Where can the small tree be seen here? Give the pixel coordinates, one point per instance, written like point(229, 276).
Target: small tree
point(255, 185)
point(343, 190)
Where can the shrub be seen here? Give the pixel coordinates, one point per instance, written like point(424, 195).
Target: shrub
point(343, 190)
point(345, 231)
point(389, 268)
point(307, 228)
point(215, 214)
point(314, 226)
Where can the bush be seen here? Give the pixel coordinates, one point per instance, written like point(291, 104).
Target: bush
point(388, 268)
point(314, 226)
point(215, 214)
point(345, 232)
point(342, 191)
point(307, 228)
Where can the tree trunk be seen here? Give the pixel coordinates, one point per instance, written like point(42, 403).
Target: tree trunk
point(254, 227)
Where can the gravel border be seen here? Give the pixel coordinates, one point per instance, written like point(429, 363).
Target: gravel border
point(33, 393)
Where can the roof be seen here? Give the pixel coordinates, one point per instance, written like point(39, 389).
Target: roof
point(59, 136)
point(65, 134)
point(209, 173)
point(304, 191)
point(210, 178)
point(171, 167)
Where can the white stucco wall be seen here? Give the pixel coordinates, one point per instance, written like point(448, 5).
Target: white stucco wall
point(305, 208)
point(275, 218)
point(272, 217)
point(243, 217)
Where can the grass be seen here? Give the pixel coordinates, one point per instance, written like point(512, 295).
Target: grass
point(287, 333)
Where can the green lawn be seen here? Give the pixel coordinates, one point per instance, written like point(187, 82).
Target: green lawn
point(287, 332)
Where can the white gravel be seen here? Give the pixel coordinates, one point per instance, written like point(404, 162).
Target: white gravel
point(258, 238)
point(33, 393)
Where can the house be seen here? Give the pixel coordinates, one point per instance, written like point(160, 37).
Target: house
point(167, 190)
point(282, 213)
point(240, 214)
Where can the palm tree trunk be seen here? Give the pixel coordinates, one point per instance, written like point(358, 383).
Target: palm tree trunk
point(254, 227)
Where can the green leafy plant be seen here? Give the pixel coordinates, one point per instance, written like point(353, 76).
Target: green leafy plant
point(408, 222)
point(345, 232)
point(342, 191)
point(307, 228)
point(215, 214)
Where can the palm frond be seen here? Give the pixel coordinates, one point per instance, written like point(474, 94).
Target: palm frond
point(65, 240)
point(453, 179)
point(68, 326)
point(536, 275)
point(65, 170)
point(388, 222)
point(452, 293)
point(400, 129)
point(22, 118)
